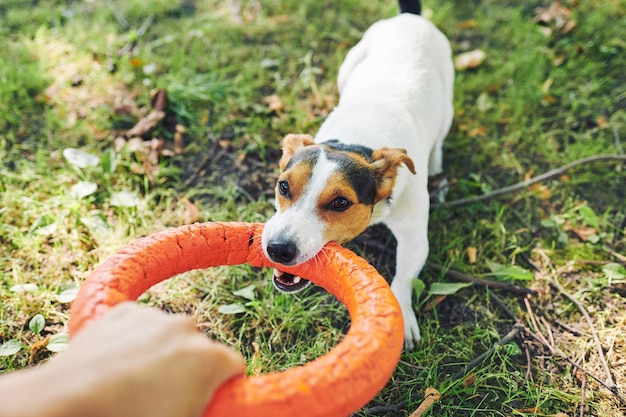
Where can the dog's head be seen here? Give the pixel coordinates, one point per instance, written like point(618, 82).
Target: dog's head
point(326, 192)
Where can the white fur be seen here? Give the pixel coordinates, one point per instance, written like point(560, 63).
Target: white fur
point(299, 222)
point(395, 91)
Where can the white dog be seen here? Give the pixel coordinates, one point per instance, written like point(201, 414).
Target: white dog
point(370, 160)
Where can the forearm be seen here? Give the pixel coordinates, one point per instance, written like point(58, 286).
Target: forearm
point(40, 391)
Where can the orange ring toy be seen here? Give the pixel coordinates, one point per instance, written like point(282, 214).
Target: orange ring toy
point(335, 384)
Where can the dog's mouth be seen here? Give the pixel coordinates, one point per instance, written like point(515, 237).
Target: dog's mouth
point(288, 282)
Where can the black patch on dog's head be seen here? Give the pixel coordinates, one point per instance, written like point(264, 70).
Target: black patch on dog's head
point(307, 155)
point(364, 151)
point(360, 177)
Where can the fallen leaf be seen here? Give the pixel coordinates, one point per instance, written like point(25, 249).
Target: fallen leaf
point(585, 233)
point(192, 214)
point(469, 60)
point(477, 131)
point(471, 254)
point(556, 16)
point(37, 347)
point(431, 396)
point(438, 299)
point(550, 99)
point(467, 24)
point(541, 191)
point(179, 147)
point(274, 103)
point(257, 368)
point(159, 100)
point(469, 381)
point(146, 125)
point(601, 121)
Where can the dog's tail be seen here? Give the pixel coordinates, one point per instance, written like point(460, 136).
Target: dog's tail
point(410, 6)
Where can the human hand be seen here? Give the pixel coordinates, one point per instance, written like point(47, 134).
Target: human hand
point(136, 361)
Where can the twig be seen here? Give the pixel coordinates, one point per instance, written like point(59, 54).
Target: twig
point(557, 352)
point(451, 273)
point(528, 374)
point(621, 258)
point(569, 328)
point(498, 301)
point(548, 330)
point(583, 385)
point(521, 185)
point(583, 310)
point(515, 331)
point(210, 158)
point(140, 32)
point(118, 16)
point(533, 321)
point(410, 365)
point(240, 189)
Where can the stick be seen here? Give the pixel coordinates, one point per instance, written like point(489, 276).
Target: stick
point(506, 339)
point(557, 352)
point(451, 273)
point(498, 301)
point(583, 310)
point(521, 185)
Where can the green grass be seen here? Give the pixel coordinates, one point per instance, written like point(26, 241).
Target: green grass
point(537, 102)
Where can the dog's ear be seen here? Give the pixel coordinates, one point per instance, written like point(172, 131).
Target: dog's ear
point(386, 162)
point(290, 144)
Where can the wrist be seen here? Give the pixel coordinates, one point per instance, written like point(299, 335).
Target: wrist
point(44, 390)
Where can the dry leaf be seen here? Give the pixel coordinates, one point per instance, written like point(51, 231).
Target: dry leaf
point(274, 103)
point(431, 396)
point(436, 301)
point(557, 16)
point(469, 381)
point(179, 146)
point(159, 100)
point(257, 368)
point(467, 24)
point(469, 60)
point(146, 125)
point(584, 233)
point(541, 191)
point(471, 254)
point(601, 121)
point(192, 214)
point(477, 131)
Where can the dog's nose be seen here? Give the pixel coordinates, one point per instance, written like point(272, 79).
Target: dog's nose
point(282, 252)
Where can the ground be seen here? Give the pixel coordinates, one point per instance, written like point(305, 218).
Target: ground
point(183, 104)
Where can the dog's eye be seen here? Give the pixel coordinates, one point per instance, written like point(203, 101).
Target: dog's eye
point(340, 204)
point(283, 188)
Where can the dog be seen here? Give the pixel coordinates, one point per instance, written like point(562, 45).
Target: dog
point(371, 158)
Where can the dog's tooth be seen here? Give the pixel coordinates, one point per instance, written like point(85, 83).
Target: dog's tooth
point(296, 279)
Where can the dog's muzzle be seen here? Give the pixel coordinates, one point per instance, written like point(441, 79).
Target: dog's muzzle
point(289, 283)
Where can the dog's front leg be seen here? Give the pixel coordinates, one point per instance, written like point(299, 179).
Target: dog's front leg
point(411, 254)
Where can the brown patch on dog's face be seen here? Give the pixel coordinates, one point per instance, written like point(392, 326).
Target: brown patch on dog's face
point(386, 162)
point(296, 178)
point(342, 225)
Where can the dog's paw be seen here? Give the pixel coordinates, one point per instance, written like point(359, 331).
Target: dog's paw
point(412, 337)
